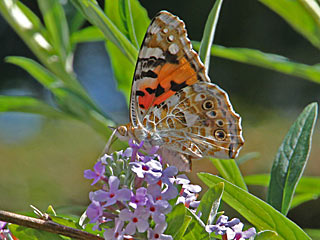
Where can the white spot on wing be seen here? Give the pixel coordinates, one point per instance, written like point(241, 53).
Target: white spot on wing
point(191, 118)
point(173, 48)
point(147, 52)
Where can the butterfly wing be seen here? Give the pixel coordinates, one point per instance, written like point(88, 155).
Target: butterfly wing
point(174, 103)
point(165, 65)
point(196, 121)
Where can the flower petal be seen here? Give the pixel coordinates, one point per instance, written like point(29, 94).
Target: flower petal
point(123, 194)
point(113, 183)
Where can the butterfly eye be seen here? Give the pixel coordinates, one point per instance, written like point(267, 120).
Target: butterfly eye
point(220, 135)
point(122, 130)
point(207, 105)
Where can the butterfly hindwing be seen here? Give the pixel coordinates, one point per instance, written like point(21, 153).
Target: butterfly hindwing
point(197, 121)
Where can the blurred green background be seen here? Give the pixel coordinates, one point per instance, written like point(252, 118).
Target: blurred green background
point(42, 160)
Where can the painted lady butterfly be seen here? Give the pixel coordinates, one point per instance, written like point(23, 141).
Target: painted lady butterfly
point(173, 104)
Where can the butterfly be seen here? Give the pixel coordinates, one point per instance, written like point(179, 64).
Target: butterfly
point(174, 105)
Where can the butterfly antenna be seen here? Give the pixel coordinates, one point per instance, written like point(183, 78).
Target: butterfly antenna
point(111, 140)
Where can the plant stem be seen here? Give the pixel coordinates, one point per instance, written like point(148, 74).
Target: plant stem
point(46, 225)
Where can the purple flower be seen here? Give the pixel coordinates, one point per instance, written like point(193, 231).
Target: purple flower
point(104, 158)
point(138, 220)
point(168, 175)
point(135, 149)
point(114, 194)
point(140, 199)
point(127, 153)
point(157, 232)
point(151, 170)
point(94, 211)
point(158, 209)
point(97, 174)
point(2, 225)
point(115, 233)
point(170, 192)
point(236, 232)
point(222, 224)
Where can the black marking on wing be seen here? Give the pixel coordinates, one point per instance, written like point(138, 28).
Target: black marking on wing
point(177, 86)
point(171, 58)
point(140, 93)
point(231, 150)
point(150, 90)
point(151, 62)
point(149, 74)
point(159, 90)
point(142, 106)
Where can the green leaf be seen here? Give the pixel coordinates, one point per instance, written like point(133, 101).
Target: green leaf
point(130, 17)
point(88, 34)
point(210, 203)
point(46, 78)
point(56, 23)
point(32, 234)
point(208, 34)
point(266, 235)
point(133, 24)
point(97, 17)
point(256, 211)
point(123, 69)
point(313, 233)
point(247, 157)
point(196, 228)
point(302, 198)
point(28, 105)
point(305, 185)
point(291, 159)
point(175, 220)
point(266, 60)
point(302, 15)
point(65, 221)
point(229, 170)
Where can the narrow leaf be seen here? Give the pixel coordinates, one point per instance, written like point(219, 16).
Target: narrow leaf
point(256, 211)
point(305, 185)
point(266, 235)
point(178, 235)
point(28, 105)
point(266, 60)
point(97, 17)
point(88, 34)
point(230, 171)
point(313, 233)
point(302, 198)
point(56, 23)
point(210, 203)
point(133, 24)
point(196, 228)
point(175, 219)
point(304, 20)
point(32, 234)
point(291, 160)
point(208, 34)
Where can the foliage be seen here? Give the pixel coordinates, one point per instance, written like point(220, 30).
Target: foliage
point(122, 25)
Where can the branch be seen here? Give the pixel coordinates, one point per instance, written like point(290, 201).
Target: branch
point(46, 225)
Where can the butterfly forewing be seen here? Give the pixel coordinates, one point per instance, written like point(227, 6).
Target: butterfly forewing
point(166, 64)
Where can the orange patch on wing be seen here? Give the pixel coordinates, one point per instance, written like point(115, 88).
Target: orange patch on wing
point(178, 73)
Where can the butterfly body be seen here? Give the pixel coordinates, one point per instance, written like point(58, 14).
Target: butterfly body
point(173, 104)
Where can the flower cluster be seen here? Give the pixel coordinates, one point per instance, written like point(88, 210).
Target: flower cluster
point(133, 200)
point(4, 233)
point(135, 194)
point(230, 229)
